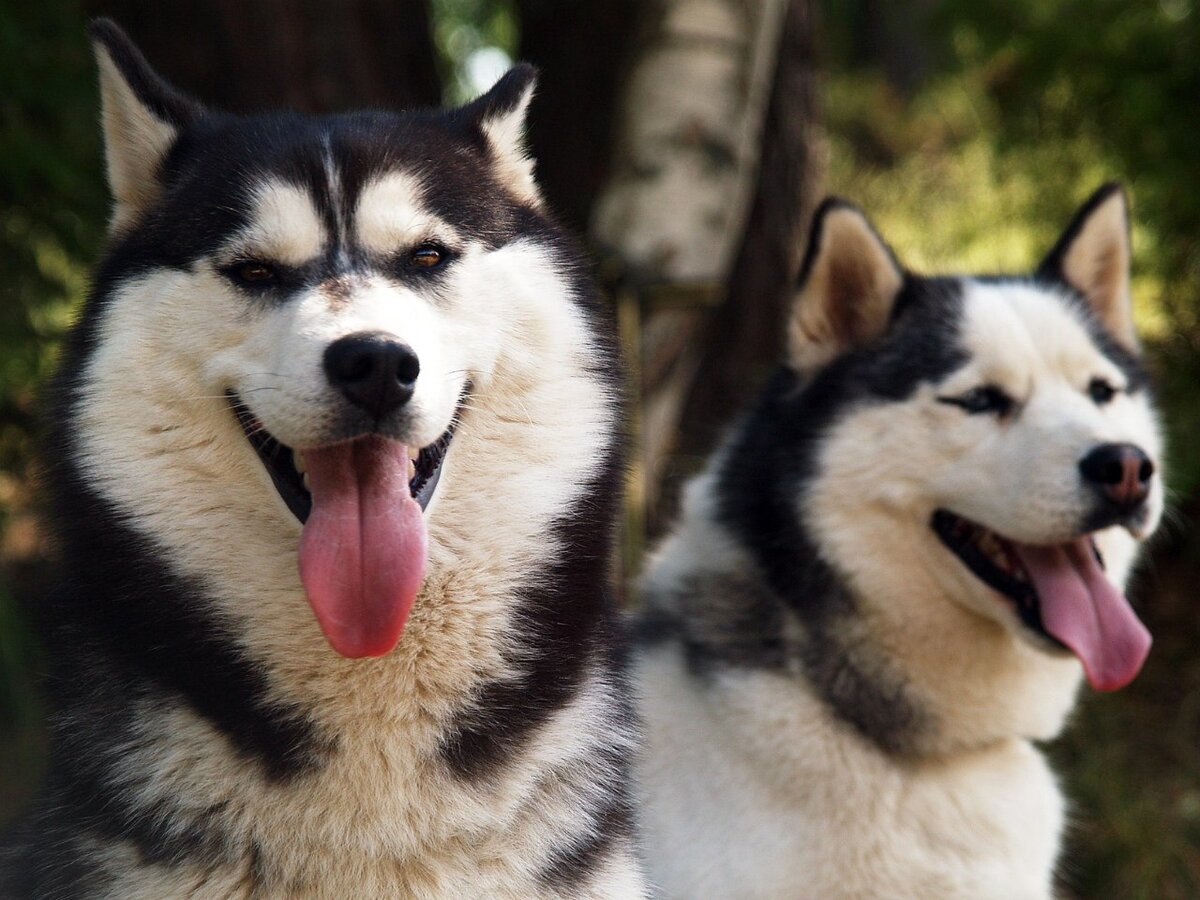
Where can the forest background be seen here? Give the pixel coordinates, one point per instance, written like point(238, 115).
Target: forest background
point(968, 129)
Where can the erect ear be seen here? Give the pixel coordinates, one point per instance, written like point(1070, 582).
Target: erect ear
point(142, 116)
point(500, 116)
point(848, 287)
point(1093, 257)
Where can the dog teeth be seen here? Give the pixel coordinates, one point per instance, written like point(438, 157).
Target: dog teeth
point(298, 461)
point(412, 469)
point(413, 452)
point(304, 481)
point(991, 546)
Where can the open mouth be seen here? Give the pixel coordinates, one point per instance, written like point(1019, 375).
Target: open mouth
point(1060, 592)
point(287, 470)
point(995, 562)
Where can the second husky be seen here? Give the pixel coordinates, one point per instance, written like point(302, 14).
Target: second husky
point(883, 588)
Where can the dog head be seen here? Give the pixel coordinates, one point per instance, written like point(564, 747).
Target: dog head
point(305, 323)
point(992, 436)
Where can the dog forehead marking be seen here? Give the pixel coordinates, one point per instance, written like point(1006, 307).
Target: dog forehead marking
point(391, 214)
point(1027, 333)
point(284, 225)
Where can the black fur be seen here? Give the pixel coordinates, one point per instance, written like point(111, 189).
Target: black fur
point(570, 634)
point(567, 624)
point(611, 829)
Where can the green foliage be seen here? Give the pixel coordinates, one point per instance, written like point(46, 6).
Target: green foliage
point(462, 28)
point(51, 222)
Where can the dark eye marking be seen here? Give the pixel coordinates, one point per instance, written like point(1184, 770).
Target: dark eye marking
point(254, 274)
point(983, 399)
point(1101, 390)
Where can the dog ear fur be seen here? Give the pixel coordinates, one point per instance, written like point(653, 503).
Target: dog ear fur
point(500, 116)
point(1093, 258)
point(141, 115)
point(848, 287)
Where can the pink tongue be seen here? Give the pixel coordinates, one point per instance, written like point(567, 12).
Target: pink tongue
point(1082, 609)
point(362, 552)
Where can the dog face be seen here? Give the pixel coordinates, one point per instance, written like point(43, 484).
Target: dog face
point(994, 436)
point(307, 309)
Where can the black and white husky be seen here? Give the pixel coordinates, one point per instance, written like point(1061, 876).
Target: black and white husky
point(884, 586)
point(339, 378)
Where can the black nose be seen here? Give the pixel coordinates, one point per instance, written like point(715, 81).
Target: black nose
point(373, 371)
point(1121, 472)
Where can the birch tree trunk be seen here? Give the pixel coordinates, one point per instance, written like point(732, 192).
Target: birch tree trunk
point(684, 184)
point(688, 145)
point(743, 338)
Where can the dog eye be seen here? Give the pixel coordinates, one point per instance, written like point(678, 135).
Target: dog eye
point(1101, 391)
point(253, 273)
point(985, 399)
point(427, 256)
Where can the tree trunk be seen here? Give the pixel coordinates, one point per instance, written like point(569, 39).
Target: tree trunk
point(688, 147)
point(243, 55)
point(714, 174)
point(582, 49)
point(743, 338)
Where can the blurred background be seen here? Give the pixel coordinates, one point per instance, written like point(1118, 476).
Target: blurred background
point(689, 140)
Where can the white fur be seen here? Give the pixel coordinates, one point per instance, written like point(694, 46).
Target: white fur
point(390, 215)
point(754, 792)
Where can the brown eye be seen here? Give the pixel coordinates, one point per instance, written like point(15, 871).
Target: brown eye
point(253, 273)
point(427, 257)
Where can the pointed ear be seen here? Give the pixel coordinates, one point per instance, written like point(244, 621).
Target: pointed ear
point(848, 287)
point(142, 116)
point(1093, 257)
point(500, 116)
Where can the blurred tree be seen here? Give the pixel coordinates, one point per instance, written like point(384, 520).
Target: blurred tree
point(712, 175)
point(296, 54)
point(583, 49)
point(743, 339)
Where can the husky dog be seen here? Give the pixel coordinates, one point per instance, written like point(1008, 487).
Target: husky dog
point(339, 378)
point(883, 588)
